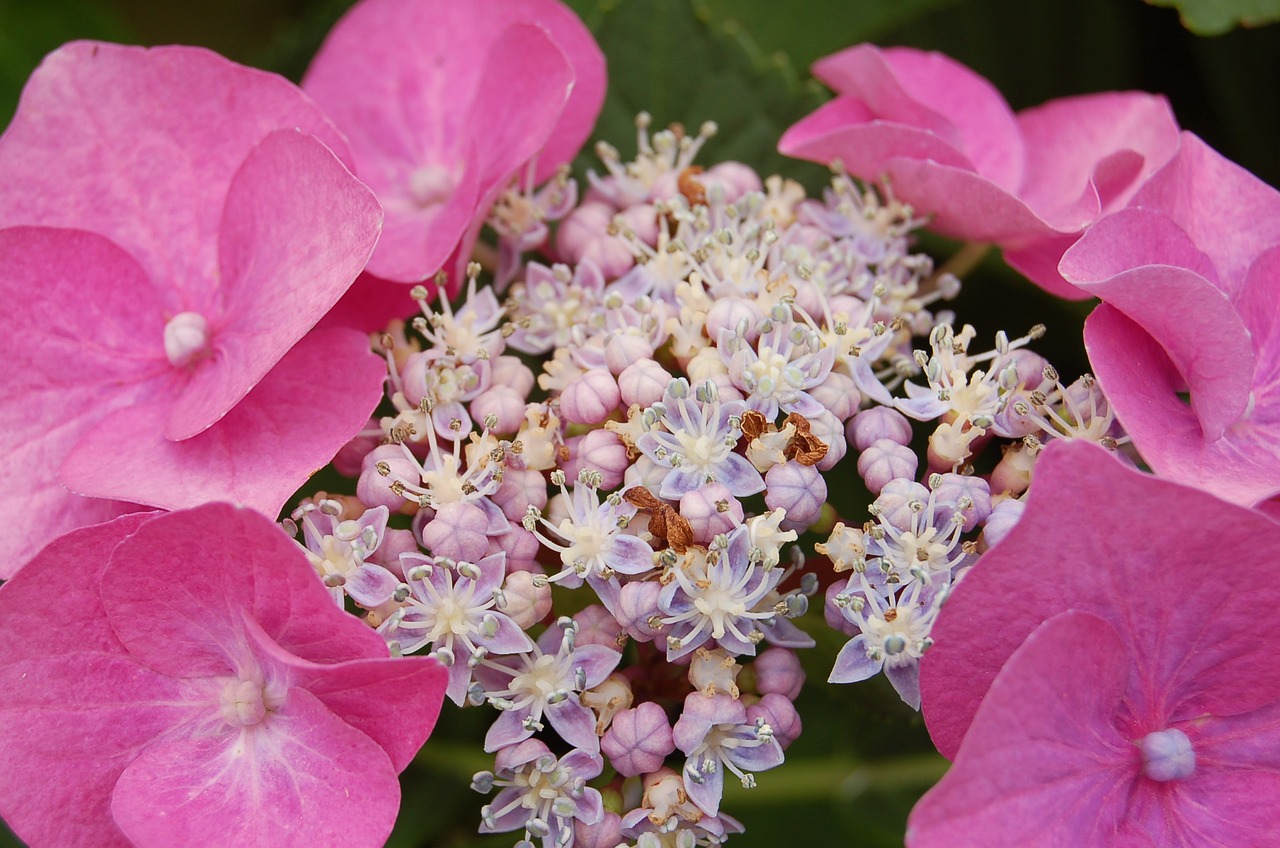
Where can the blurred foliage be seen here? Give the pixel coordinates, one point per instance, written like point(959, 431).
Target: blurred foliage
point(1214, 17)
point(864, 758)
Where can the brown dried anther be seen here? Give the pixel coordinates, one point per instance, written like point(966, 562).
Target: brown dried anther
point(667, 526)
point(804, 447)
point(692, 189)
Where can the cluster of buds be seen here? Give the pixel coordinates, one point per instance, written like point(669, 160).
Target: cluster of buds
point(712, 352)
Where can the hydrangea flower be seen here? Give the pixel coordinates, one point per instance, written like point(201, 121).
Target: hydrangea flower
point(444, 108)
point(1095, 538)
point(946, 142)
point(211, 687)
point(1189, 277)
point(195, 214)
point(716, 736)
point(540, 793)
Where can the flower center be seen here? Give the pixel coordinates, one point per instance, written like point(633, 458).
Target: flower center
point(431, 185)
point(1167, 755)
point(186, 338)
point(244, 703)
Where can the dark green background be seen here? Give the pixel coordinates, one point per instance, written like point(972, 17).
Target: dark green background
point(863, 758)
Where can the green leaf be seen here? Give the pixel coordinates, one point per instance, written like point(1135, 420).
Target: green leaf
point(678, 61)
point(1214, 17)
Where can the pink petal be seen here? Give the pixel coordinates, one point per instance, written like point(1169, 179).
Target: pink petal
point(964, 205)
point(296, 230)
point(1038, 261)
point(464, 106)
point(73, 715)
point(140, 145)
point(1211, 809)
point(1073, 172)
point(1229, 213)
point(1256, 305)
point(1142, 264)
point(290, 425)
point(394, 702)
point(302, 777)
point(69, 367)
point(1142, 387)
point(371, 303)
point(935, 93)
point(1042, 763)
point(178, 591)
point(1194, 652)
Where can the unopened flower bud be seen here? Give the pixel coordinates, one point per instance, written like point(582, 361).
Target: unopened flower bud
point(590, 398)
point(600, 451)
point(384, 466)
point(509, 371)
point(643, 382)
point(638, 610)
point(527, 603)
point(779, 714)
point(710, 510)
point(458, 531)
point(798, 489)
point(884, 460)
point(1003, 517)
point(878, 422)
point(505, 404)
point(638, 740)
point(625, 349)
point(968, 495)
point(778, 670)
point(838, 395)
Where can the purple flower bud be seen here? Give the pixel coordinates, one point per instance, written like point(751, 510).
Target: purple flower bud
point(523, 601)
point(798, 489)
point(350, 459)
point(590, 398)
point(624, 349)
point(828, 428)
point(638, 607)
point(584, 234)
point(781, 716)
point(778, 671)
point(394, 543)
point(599, 450)
point(642, 219)
point(638, 740)
point(883, 461)
point(1003, 516)
point(503, 403)
point(838, 394)
point(643, 382)
point(894, 501)
point(955, 488)
point(711, 510)
point(374, 486)
point(510, 372)
point(520, 489)
point(458, 531)
point(878, 422)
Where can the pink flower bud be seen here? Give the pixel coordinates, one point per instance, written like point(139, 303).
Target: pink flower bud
point(781, 716)
point(882, 461)
point(778, 671)
point(383, 466)
point(838, 395)
point(523, 601)
point(798, 489)
point(624, 349)
point(394, 543)
point(590, 398)
point(642, 219)
point(643, 382)
point(1012, 473)
point(520, 488)
point(520, 546)
point(350, 459)
point(510, 372)
point(597, 626)
point(638, 740)
point(458, 531)
point(413, 378)
point(728, 313)
point(606, 833)
point(584, 234)
point(638, 610)
point(599, 450)
point(878, 422)
point(733, 178)
point(503, 403)
point(710, 510)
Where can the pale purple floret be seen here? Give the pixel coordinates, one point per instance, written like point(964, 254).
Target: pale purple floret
point(541, 794)
point(454, 608)
point(695, 441)
point(551, 302)
point(546, 681)
point(713, 596)
point(706, 832)
point(776, 373)
point(339, 549)
point(715, 735)
point(894, 633)
point(592, 543)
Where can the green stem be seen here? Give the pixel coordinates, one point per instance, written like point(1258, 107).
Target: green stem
point(839, 779)
point(964, 260)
